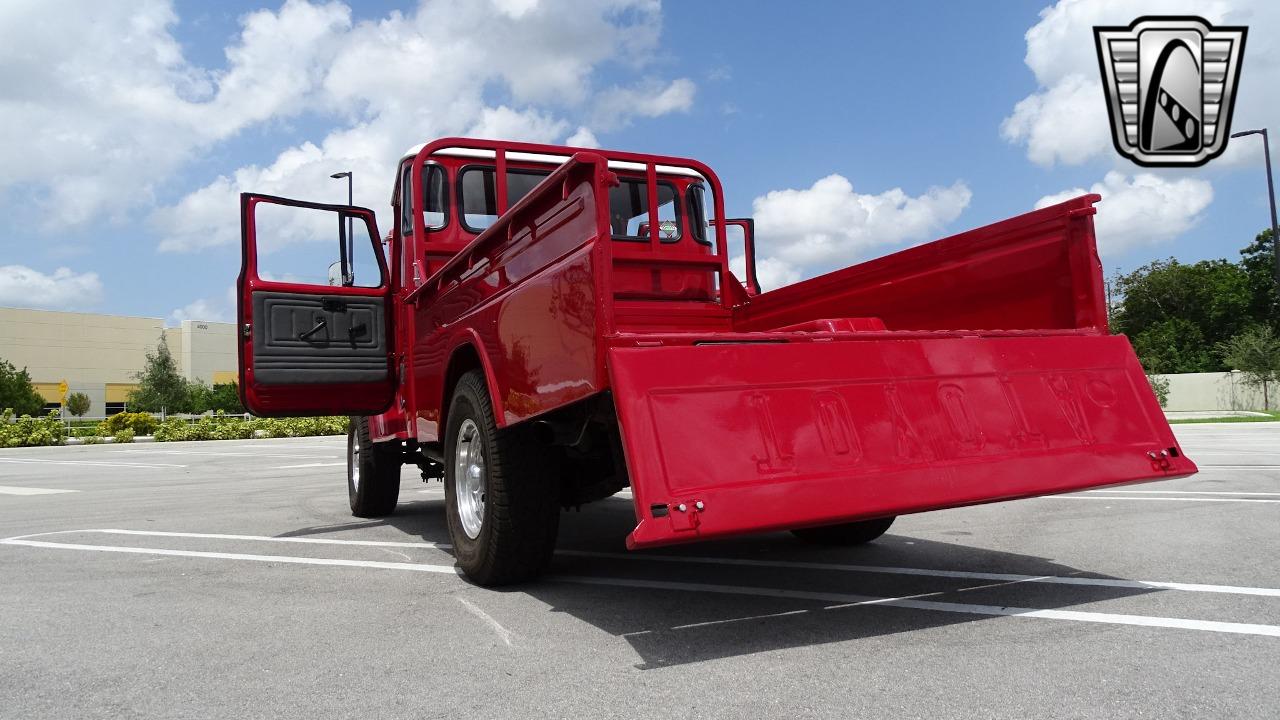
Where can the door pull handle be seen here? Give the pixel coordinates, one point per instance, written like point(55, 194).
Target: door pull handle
point(321, 324)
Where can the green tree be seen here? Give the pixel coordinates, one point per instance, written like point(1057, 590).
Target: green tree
point(222, 396)
point(1174, 312)
point(78, 404)
point(1256, 354)
point(160, 385)
point(1258, 261)
point(17, 392)
point(1173, 346)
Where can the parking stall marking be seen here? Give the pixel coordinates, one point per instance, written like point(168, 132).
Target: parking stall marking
point(88, 463)
point(838, 600)
point(13, 490)
point(1155, 499)
point(1187, 492)
point(745, 562)
point(309, 465)
point(216, 453)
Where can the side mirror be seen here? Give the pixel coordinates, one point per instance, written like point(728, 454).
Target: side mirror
point(335, 274)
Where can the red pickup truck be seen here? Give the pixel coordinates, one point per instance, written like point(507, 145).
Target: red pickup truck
point(545, 326)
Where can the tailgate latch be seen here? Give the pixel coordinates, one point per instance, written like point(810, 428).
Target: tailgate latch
point(1159, 460)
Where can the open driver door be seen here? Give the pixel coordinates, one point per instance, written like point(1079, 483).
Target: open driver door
point(311, 346)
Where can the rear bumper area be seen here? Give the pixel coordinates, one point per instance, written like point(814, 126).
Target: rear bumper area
point(756, 437)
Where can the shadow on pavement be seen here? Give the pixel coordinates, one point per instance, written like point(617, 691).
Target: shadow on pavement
point(668, 626)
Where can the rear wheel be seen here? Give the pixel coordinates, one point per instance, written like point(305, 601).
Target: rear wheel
point(502, 493)
point(854, 533)
point(373, 472)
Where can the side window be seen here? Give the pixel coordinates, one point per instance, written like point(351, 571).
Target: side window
point(698, 214)
point(478, 197)
point(629, 211)
point(434, 199)
point(304, 245)
point(406, 203)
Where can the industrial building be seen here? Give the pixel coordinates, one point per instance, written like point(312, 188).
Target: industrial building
point(98, 355)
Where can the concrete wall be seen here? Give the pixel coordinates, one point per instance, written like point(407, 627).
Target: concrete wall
point(1214, 391)
point(99, 354)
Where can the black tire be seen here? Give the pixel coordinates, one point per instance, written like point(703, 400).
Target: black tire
point(374, 491)
point(519, 491)
point(854, 533)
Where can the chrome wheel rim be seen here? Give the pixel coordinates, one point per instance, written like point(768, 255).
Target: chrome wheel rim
point(353, 449)
point(469, 478)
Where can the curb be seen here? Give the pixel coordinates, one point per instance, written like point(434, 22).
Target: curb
point(109, 440)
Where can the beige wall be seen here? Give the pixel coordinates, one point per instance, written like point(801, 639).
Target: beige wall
point(208, 351)
point(1213, 391)
point(97, 354)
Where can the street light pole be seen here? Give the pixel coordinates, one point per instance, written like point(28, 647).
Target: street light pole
point(1271, 196)
point(351, 259)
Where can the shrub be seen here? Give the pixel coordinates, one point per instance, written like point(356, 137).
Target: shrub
point(124, 436)
point(91, 439)
point(27, 431)
point(221, 427)
point(140, 423)
point(171, 430)
point(1160, 386)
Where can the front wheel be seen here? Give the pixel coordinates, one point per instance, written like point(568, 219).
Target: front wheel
point(502, 493)
point(854, 533)
point(373, 472)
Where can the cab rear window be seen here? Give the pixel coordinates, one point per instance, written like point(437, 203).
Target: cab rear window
point(629, 211)
point(478, 196)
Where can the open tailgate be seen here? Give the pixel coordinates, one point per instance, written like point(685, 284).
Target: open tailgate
point(760, 436)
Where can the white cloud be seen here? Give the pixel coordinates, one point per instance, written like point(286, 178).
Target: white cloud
point(583, 137)
point(771, 272)
point(802, 233)
point(1065, 120)
point(1066, 123)
point(409, 78)
point(503, 123)
point(96, 123)
point(1143, 210)
point(207, 309)
point(648, 99)
point(94, 127)
point(64, 289)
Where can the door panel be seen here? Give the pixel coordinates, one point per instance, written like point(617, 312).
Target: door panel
point(306, 348)
point(307, 339)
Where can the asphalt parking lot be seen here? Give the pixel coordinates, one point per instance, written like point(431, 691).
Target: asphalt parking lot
point(228, 579)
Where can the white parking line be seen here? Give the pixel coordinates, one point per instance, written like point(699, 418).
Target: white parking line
point(89, 463)
point(263, 538)
point(1185, 492)
point(217, 453)
point(744, 562)
point(844, 599)
point(849, 600)
point(923, 572)
point(11, 490)
point(1155, 499)
point(309, 465)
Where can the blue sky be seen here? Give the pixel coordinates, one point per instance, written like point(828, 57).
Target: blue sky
point(124, 197)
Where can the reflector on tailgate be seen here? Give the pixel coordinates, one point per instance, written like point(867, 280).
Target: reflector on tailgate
point(723, 439)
